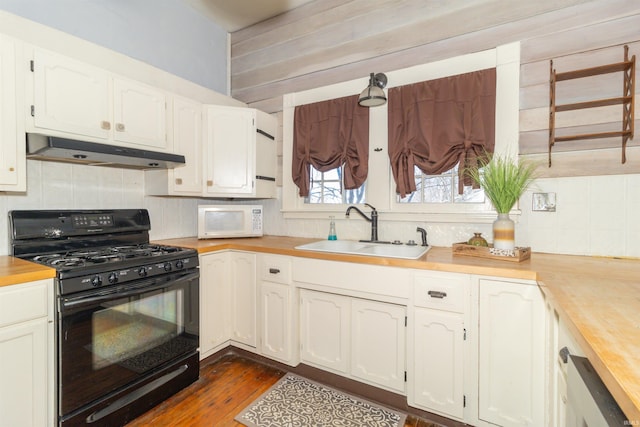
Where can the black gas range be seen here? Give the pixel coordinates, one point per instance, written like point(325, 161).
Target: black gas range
point(127, 310)
point(91, 249)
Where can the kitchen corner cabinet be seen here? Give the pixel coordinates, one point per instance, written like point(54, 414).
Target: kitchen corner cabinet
point(243, 298)
point(237, 153)
point(229, 151)
point(215, 294)
point(511, 368)
point(77, 100)
point(13, 175)
point(437, 343)
point(27, 354)
point(227, 301)
point(278, 309)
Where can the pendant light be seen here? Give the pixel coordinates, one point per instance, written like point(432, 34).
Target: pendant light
point(373, 95)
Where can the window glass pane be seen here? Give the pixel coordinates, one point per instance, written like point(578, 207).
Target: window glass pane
point(355, 196)
point(326, 187)
point(441, 189)
point(332, 193)
point(333, 174)
point(437, 189)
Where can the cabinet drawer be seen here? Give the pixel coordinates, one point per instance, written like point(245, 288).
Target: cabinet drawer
point(274, 268)
point(19, 303)
point(441, 291)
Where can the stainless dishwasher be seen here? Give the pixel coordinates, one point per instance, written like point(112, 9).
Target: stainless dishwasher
point(589, 403)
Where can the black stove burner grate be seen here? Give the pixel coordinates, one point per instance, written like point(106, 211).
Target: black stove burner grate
point(82, 258)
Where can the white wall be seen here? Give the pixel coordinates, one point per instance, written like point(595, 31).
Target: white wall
point(168, 34)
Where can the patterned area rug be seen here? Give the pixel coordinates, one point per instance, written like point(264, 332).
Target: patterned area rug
point(298, 402)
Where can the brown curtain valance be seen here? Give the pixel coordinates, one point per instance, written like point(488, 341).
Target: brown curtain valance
point(329, 134)
point(437, 123)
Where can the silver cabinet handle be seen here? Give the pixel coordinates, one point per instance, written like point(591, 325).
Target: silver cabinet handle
point(120, 127)
point(437, 294)
point(274, 270)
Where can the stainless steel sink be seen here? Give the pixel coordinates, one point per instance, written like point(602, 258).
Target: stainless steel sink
point(366, 249)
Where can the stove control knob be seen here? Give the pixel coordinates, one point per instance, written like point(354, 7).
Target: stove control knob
point(113, 278)
point(142, 272)
point(96, 281)
point(167, 266)
point(179, 265)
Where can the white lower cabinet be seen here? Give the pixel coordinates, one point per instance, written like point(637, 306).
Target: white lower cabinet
point(437, 343)
point(325, 330)
point(354, 337)
point(278, 309)
point(243, 298)
point(27, 354)
point(227, 301)
point(511, 365)
point(215, 313)
point(378, 343)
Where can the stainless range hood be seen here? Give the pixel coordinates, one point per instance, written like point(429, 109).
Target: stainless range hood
point(41, 147)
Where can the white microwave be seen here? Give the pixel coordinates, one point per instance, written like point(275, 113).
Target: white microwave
point(218, 221)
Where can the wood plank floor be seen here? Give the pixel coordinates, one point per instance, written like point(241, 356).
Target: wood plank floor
point(225, 387)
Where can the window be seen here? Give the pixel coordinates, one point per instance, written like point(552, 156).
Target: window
point(436, 199)
point(441, 188)
point(327, 188)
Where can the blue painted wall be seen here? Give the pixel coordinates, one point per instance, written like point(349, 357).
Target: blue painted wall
point(167, 34)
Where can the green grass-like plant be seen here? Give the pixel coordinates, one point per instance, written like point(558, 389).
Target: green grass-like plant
point(503, 180)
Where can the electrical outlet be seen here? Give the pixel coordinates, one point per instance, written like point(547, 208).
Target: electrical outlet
point(544, 202)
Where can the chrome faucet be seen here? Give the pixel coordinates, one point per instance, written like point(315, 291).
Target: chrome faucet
point(373, 220)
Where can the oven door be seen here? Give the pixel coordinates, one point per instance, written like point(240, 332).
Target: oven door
point(113, 336)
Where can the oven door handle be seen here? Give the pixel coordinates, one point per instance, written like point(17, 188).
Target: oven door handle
point(117, 292)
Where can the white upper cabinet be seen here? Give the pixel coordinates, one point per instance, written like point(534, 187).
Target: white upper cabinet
point(12, 147)
point(230, 151)
point(70, 96)
point(78, 100)
point(239, 153)
point(185, 131)
point(139, 114)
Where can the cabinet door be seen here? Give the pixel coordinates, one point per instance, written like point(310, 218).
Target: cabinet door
point(70, 96)
point(275, 322)
point(187, 140)
point(437, 372)
point(214, 302)
point(511, 354)
point(243, 298)
point(230, 151)
point(140, 115)
point(324, 330)
point(378, 343)
point(12, 148)
point(23, 374)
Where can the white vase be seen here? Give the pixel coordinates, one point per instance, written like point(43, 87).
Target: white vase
point(504, 233)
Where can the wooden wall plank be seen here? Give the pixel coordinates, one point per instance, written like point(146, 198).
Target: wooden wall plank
point(475, 17)
point(587, 163)
point(309, 9)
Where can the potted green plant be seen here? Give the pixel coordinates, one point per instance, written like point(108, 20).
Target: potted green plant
point(504, 179)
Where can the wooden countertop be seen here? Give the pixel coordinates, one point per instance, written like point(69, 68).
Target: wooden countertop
point(597, 298)
point(14, 271)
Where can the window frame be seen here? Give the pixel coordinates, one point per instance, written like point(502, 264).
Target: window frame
point(380, 190)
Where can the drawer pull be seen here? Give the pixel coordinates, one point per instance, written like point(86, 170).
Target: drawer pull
point(437, 294)
point(274, 270)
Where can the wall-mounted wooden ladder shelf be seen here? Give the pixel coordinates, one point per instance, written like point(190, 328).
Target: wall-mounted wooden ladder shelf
point(627, 67)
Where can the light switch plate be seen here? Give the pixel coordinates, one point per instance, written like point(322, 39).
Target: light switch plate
point(544, 202)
